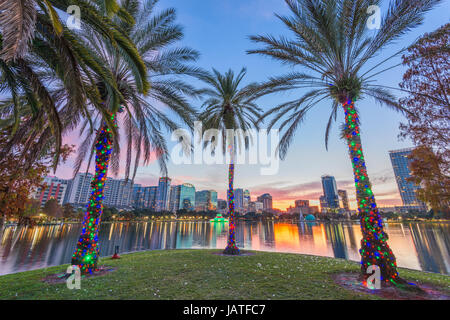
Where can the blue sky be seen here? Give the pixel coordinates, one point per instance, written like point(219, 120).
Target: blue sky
point(219, 30)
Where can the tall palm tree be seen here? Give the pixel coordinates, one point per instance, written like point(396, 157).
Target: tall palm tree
point(140, 117)
point(331, 41)
point(230, 106)
point(38, 50)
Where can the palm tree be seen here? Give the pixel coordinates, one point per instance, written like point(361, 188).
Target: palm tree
point(331, 40)
point(140, 117)
point(230, 106)
point(38, 50)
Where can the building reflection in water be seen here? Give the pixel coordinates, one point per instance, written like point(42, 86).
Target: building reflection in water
point(416, 246)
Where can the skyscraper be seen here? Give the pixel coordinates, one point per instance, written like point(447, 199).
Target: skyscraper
point(182, 197)
point(80, 189)
point(144, 197)
point(174, 198)
point(206, 200)
point(343, 197)
point(239, 200)
point(187, 197)
point(400, 164)
point(247, 198)
point(118, 193)
point(266, 200)
point(330, 192)
point(162, 194)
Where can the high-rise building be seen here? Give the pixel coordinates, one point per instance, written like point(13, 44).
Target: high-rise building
point(238, 200)
point(256, 206)
point(247, 199)
point(206, 200)
point(330, 192)
point(266, 200)
point(213, 197)
point(118, 193)
point(222, 206)
point(162, 194)
point(187, 197)
point(343, 199)
point(182, 197)
point(400, 164)
point(144, 197)
point(53, 188)
point(174, 198)
point(80, 189)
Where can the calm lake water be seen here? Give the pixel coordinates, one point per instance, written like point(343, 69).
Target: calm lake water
point(416, 246)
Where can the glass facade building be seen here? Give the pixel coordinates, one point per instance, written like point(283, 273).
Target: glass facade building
point(162, 194)
point(400, 164)
point(330, 192)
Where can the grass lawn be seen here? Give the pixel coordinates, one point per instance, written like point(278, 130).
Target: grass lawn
point(199, 274)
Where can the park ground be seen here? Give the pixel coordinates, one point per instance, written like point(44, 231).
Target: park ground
point(205, 274)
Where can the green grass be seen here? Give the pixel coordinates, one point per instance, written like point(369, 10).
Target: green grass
point(199, 274)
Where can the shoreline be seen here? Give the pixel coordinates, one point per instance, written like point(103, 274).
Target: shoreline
point(202, 274)
point(238, 220)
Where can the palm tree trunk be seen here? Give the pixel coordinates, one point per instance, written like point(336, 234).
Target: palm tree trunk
point(374, 248)
point(87, 252)
point(231, 248)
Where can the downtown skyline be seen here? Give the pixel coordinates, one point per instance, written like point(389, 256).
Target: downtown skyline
point(222, 46)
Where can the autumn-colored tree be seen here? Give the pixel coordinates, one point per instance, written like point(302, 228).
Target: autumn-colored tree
point(426, 168)
point(53, 209)
point(18, 178)
point(427, 81)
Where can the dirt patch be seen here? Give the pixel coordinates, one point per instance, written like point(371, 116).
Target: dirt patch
point(352, 281)
point(62, 277)
point(241, 254)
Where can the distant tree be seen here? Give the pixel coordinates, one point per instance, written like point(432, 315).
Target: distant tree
point(68, 211)
point(53, 209)
point(426, 171)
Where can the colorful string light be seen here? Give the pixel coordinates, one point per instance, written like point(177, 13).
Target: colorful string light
point(86, 254)
point(374, 248)
point(231, 248)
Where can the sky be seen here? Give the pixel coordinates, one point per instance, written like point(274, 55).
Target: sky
point(219, 30)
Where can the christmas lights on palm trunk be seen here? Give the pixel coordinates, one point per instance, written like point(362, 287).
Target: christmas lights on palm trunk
point(374, 248)
point(231, 248)
point(87, 252)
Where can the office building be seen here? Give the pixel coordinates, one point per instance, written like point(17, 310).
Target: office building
point(400, 164)
point(238, 200)
point(266, 200)
point(247, 199)
point(162, 194)
point(343, 200)
point(80, 189)
point(144, 197)
point(330, 193)
point(206, 200)
point(222, 206)
point(182, 197)
point(118, 193)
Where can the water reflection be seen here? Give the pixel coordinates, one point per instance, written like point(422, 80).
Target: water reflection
point(416, 246)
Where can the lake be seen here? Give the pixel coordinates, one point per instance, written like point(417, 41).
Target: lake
point(420, 246)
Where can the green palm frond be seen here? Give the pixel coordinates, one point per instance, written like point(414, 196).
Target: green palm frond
point(330, 40)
